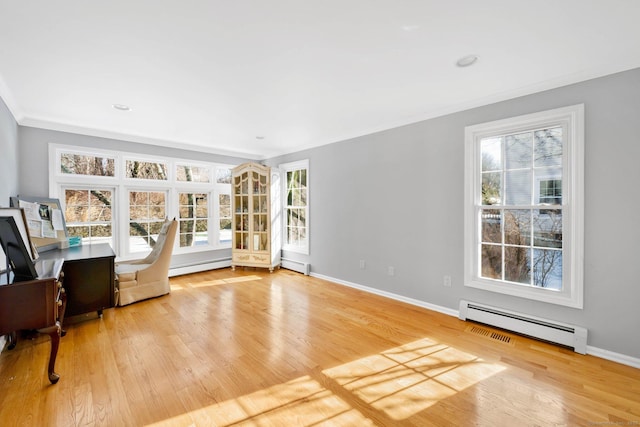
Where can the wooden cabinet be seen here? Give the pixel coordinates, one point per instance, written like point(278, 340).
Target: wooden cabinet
point(89, 277)
point(255, 224)
point(34, 305)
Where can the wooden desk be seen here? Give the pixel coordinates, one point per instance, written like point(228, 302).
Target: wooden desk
point(89, 277)
point(34, 304)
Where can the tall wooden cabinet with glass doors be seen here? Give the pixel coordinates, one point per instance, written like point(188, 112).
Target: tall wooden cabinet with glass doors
point(255, 207)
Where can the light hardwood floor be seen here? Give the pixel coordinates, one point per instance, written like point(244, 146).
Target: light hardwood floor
point(252, 348)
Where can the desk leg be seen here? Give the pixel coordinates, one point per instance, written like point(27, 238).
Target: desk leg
point(63, 308)
point(13, 340)
point(54, 333)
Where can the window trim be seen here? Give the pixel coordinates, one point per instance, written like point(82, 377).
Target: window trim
point(284, 168)
point(572, 119)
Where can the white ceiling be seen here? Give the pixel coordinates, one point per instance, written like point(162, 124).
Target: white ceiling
point(216, 75)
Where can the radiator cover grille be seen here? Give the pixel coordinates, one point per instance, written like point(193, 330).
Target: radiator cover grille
point(548, 330)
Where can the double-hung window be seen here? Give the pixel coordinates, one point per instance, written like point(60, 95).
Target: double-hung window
point(524, 206)
point(87, 191)
point(296, 206)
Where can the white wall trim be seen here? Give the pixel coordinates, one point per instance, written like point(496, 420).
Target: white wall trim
point(592, 351)
point(423, 304)
point(614, 357)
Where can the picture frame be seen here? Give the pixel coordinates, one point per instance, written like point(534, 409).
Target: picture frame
point(20, 220)
point(18, 256)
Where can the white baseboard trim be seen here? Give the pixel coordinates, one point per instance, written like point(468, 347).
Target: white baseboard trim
point(432, 307)
point(614, 357)
point(196, 268)
point(593, 351)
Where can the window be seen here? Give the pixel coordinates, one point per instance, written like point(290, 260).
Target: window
point(194, 219)
point(296, 206)
point(79, 164)
point(147, 211)
point(138, 169)
point(523, 206)
point(225, 218)
point(223, 180)
point(123, 198)
point(188, 173)
point(88, 214)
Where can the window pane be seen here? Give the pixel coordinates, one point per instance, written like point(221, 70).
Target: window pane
point(547, 228)
point(223, 176)
point(518, 187)
point(491, 149)
point(146, 170)
point(81, 231)
point(139, 229)
point(547, 268)
point(225, 231)
point(492, 261)
point(518, 151)
point(303, 178)
point(550, 192)
point(517, 227)
point(187, 173)
point(491, 226)
point(77, 164)
point(517, 264)
point(491, 188)
point(548, 147)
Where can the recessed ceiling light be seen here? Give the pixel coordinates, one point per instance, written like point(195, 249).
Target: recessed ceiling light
point(121, 107)
point(259, 137)
point(467, 61)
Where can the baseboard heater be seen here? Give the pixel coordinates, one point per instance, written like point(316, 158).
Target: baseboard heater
point(199, 266)
point(299, 266)
point(547, 330)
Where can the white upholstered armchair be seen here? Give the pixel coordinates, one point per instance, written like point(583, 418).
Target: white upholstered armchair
point(148, 277)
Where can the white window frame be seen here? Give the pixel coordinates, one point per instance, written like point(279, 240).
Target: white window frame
point(126, 237)
point(284, 168)
point(121, 186)
point(114, 203)
point(572, 120)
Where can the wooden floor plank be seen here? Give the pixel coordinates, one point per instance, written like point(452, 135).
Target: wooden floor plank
point(253, 348)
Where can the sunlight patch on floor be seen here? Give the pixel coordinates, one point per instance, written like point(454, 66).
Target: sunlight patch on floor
point(217, 282)
point(400, 382)
point(300, 402)
point(408, 379)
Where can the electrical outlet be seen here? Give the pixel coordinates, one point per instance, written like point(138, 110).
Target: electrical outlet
point(447, 281)
point(362, 264)
point(391, 271)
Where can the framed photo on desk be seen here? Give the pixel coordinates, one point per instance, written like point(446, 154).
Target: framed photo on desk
point(16, 250)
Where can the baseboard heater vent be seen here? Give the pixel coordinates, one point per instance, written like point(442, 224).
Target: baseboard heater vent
point(547, 330)
point(299, 266)
point(199, 266)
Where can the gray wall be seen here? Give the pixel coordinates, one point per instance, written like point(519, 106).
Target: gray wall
point(34, 168)
point(395, 198)
point(8, 155)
